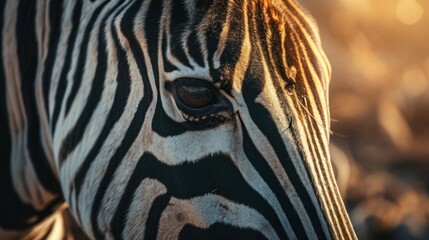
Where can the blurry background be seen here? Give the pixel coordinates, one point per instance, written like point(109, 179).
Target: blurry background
point(379, 51)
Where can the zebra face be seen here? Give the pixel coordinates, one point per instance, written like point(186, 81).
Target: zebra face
point(213, 121)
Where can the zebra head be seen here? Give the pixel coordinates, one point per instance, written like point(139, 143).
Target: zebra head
point(208, 118)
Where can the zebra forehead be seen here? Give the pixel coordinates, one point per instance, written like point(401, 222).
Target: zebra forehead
point(277, 10)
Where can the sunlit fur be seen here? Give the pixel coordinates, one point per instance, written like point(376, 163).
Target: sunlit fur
point(88, 117)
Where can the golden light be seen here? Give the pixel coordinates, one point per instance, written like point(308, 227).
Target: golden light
point(414, 82)
point(394, 124)
point(409, 11)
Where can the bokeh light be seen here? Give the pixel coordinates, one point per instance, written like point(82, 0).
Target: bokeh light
point(409, 11)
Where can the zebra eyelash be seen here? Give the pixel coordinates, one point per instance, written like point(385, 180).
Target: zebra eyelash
point(202, 118)
point(206, 121)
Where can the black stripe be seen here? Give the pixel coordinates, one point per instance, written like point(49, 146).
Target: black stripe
point(271, 48)
point(192, 43)
point(308, 112)
point(310, 80)
point(27, 50)
point(55, 14)
point(232, 51)
point(122, 92)
point(8, 216)
point(113, 164)
point(162, 124)
point(320, 157)
point(168, 66)
point(194, 48)
point(188, 180)
point(179, 15)
point(276, 60)
point(74, 137)
point(270, 178)
point(301, 18)
point(212, 37)
point(179, 19)
point(262, 117)
point(305, 54)
point(293, 58)
point(131, 134)
point(62, 84)
point(82, 58)
point(154, 215)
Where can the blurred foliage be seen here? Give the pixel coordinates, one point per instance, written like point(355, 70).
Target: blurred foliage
point(379, 51)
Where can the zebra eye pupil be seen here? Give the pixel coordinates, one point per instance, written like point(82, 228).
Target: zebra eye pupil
point(195, 93)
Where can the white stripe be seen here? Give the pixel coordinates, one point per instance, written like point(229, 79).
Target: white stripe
point(207, 210)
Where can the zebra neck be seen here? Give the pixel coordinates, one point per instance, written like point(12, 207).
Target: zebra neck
point(27, 172)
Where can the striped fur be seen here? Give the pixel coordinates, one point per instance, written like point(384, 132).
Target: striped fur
point(91, 120)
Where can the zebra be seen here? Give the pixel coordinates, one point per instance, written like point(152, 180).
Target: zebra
point(165, 119)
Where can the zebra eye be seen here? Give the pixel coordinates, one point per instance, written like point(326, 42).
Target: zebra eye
point(198, 99)
point(195, 93)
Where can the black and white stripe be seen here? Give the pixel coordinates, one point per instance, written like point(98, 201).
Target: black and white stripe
point(189, 119)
